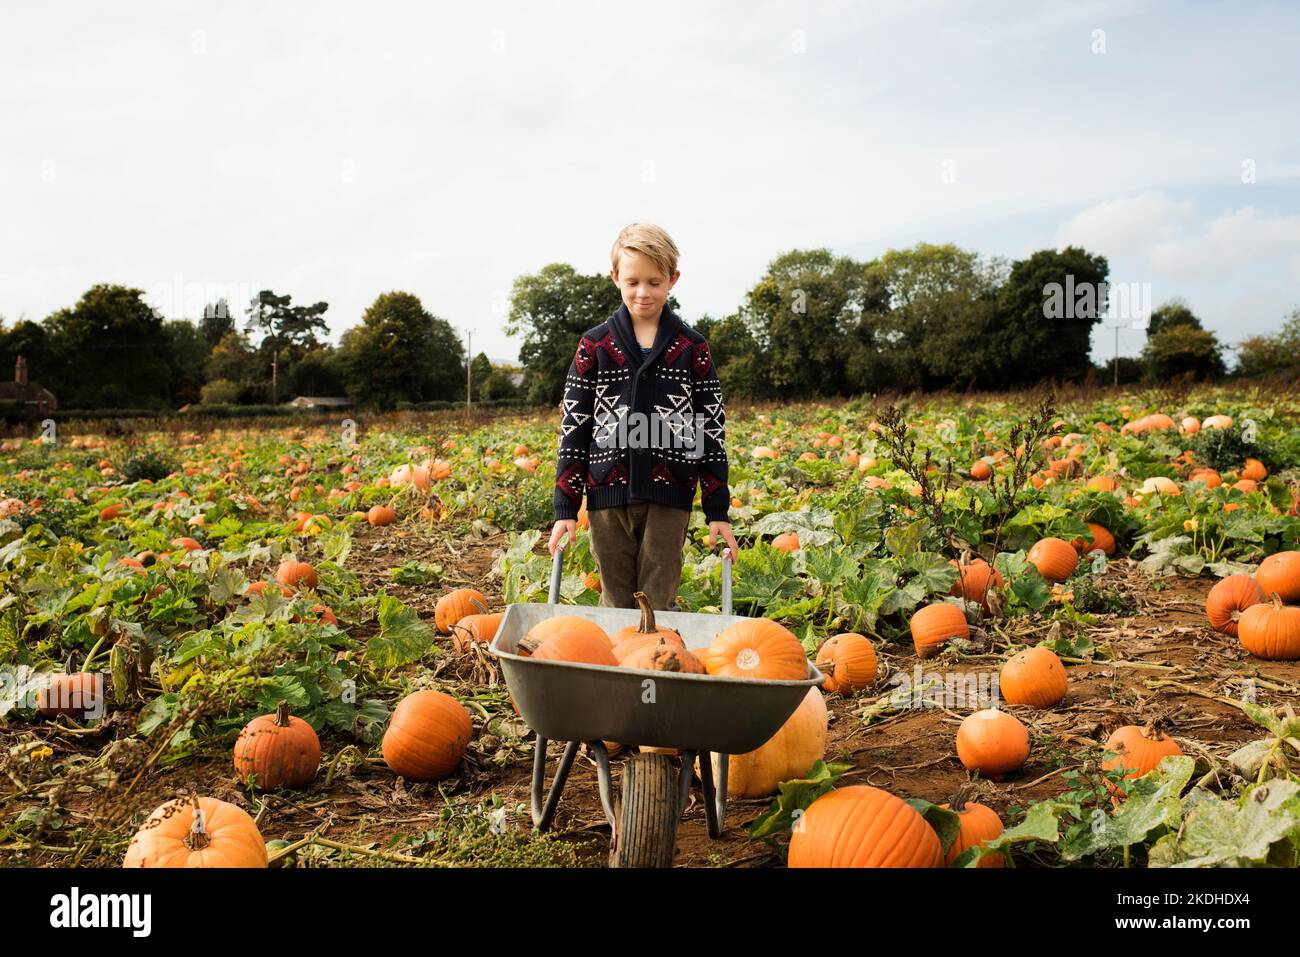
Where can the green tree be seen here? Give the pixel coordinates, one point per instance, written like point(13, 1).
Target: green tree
point(1267, 354)
point(402, 353)
point(740, 363)
point(1184, 350)
point(1170, 314)
point(216, 322)
point(500, 384)
point(799, 314)
point(479, 370)
point(234, 359)
point(109, 352)
point(31, 340)
point(552, 310)
point(186, 353)
point(284, 327)
point(1034, 339)
point(316, 373)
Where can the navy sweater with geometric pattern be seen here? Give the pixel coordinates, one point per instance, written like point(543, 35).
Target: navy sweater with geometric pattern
point(636, 429)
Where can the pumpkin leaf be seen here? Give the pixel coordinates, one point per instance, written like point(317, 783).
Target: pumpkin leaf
point(827, 565)
point(1221, 833)
point(1151, 804)
point(813, 526)
point(946, 823)
point(795, 797)
point(227, 583)
point(403, 637)
point(787, 609)
point(863, 595)
point(763, 574)
point(904, 541)
point(336, 543)
point(903, 599)
point(933, 572)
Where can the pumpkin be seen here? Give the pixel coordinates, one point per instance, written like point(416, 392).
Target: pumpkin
point(568, 638)
point(974, 579)
point(427, 736)
point(756, 648)
point(1054, 558)
point(935, 624)
point(414, 475)
point(1103, 483)
point(863, 826)
point(1217, 422)
point(1271, 630)
point(1246, 486)
point(1159, 484)
point(381, 515)
point(455, 605)
point(296, 574)
point(259, 589)
point(1210, 477)
point(979, 824)
point(110, 512)
point(1254, 470)
point(1034, 677)
point(1099, 537)
point(848, 661)
point(1138, 751)
point(645, 633)
point(1280, 574)
point(197, 832)
point(187, 544)
point(787, 755)
point(1191, 425)
point(664, 656)
point(1228, 599)
point(480, 628)
point(277, 751)
point(981, 471)
point(71, 694)
point(992, 742)
point(788, 542)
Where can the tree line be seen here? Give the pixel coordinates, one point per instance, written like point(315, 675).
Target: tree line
point(815, 324)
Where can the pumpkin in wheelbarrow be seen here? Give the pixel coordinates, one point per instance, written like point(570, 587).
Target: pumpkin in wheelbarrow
point(756, 648)
point(633, 638)
point(566, 638)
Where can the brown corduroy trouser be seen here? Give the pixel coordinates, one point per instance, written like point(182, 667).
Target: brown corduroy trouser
point(639, 548)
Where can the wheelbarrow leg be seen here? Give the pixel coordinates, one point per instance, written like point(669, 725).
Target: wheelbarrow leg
point(604, 779)
point(684, 778)
point(710, 800)
point(720, 789)
point(542, 815)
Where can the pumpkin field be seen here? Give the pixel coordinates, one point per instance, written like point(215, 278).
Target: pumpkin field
point(1057, 630)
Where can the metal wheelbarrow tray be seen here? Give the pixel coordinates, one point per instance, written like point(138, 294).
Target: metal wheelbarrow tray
point(582, 703)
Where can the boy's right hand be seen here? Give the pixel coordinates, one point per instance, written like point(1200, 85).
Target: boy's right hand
point(565, 526)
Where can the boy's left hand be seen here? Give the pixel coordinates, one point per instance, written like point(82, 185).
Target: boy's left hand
point(723, 529)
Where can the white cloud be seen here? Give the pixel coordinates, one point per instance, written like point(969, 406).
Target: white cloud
point(1242, 239)
point(1129, 225)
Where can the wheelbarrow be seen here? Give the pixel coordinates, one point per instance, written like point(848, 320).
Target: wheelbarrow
point(699, 715)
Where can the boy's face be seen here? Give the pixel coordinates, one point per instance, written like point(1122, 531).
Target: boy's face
point(644, 287)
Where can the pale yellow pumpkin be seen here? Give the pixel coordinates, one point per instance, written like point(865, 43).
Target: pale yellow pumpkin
point(788, 754)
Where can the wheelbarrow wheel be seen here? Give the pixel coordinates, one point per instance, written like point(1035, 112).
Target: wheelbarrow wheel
point(647, 819)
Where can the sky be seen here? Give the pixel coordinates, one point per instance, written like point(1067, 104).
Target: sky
point(337, 151)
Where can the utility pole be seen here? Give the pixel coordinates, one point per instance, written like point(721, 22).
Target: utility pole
point(469, 366)
point(1117, 355)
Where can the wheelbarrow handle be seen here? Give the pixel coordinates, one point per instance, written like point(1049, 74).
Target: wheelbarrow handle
point(557, 571)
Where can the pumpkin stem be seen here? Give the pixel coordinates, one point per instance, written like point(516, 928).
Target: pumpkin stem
point(959, 800)
point(67, 665)
point(282, 715)
point(1277, 601)
point(482, 608)
point(647, 626)
point(198, 838)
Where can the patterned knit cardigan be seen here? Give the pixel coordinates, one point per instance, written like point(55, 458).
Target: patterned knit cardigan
point(676, 391)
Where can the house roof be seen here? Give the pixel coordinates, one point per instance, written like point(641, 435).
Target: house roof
point(322, 400)
point(25, 392)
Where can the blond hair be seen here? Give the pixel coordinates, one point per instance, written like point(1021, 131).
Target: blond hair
point(650, 241)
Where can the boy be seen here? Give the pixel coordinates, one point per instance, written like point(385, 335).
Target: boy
point(642, 423)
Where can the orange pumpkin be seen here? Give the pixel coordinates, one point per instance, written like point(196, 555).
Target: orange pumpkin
point(455, 605)
point(936, 624)
point(197, 832)
point(1138, 751)
point(863, 826)
point(568, 638)
point(756, 648)
point(427, 736)
point(787, 755)
point(381, 515)
point(277, 751)
point(979, 824)
point(1103, 483)
point(479, 629)
point(974, 580)
point(664, 656)
point(296, 574)
point(1279, 574)
point(848, 661)
point(1271, 630)
point(1099, 537)
point(1255, 470)
point(993, 743)
point(1228, 599)
point(1054, 558)
point(1210, 477)
point(788, 542)
point(71, 694)
point(645, 633)
point(981, 471)
point(1034, 677)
